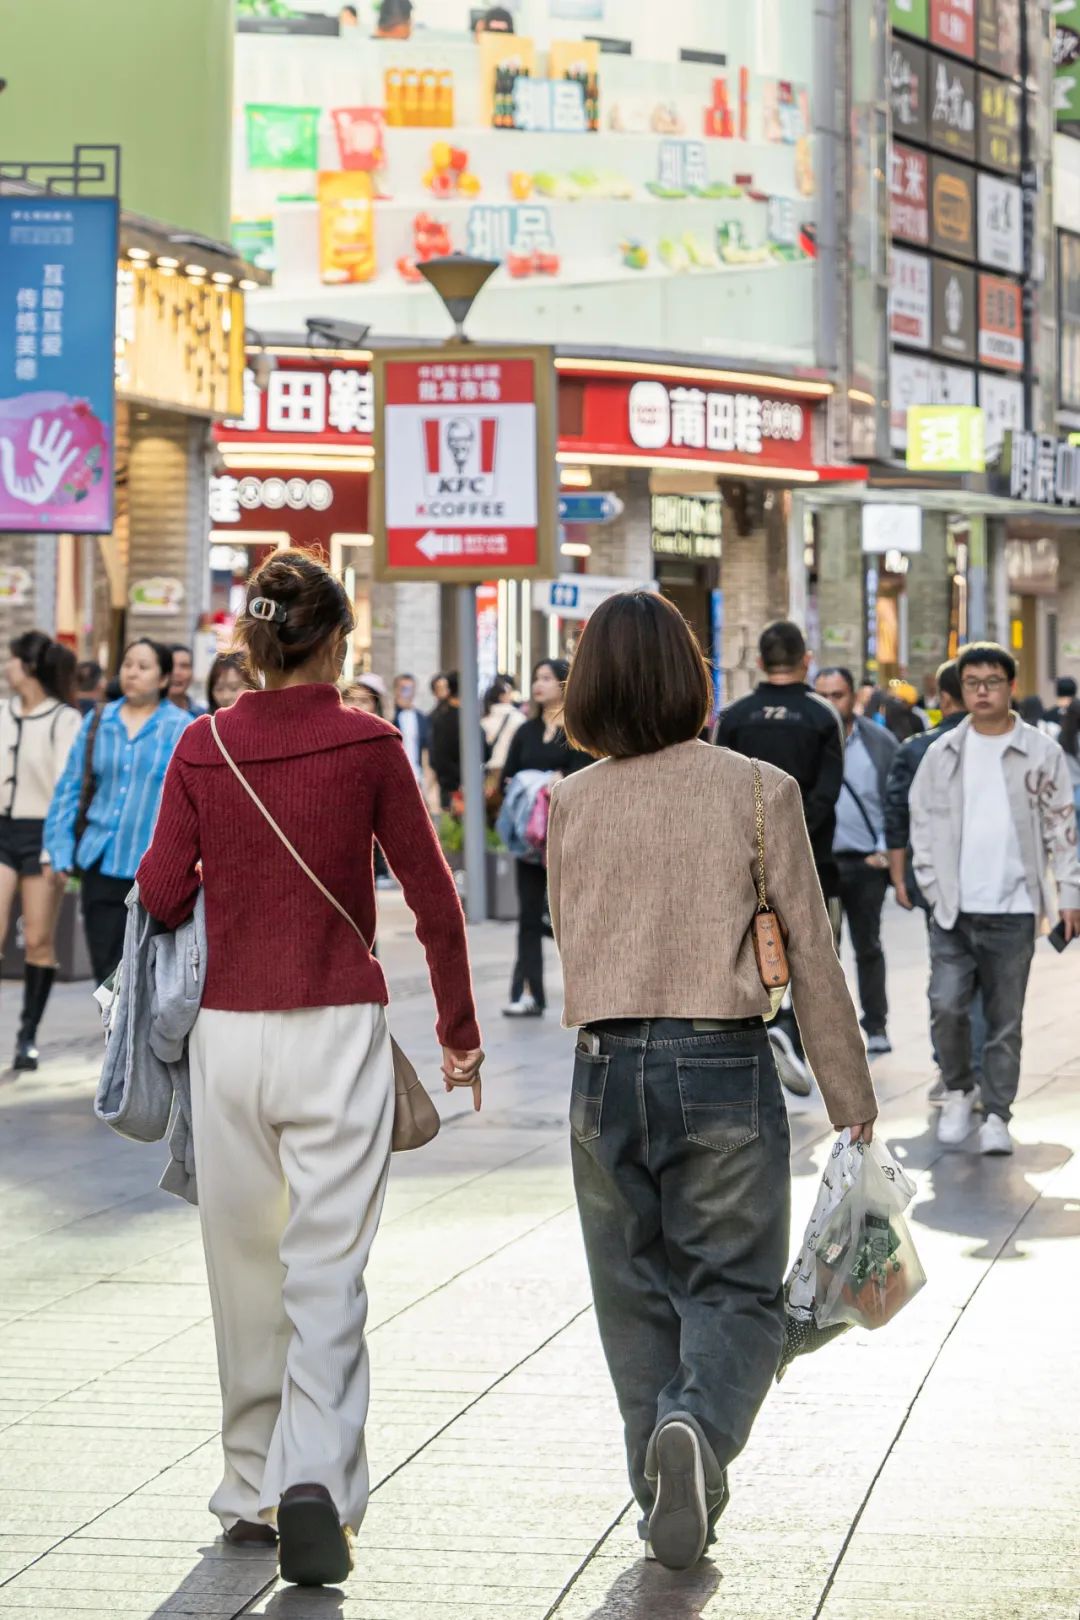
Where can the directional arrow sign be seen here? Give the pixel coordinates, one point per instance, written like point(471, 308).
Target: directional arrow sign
point(439, 545)
point(599, 506)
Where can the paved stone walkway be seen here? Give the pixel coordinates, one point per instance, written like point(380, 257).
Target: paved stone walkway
point(925, 1473)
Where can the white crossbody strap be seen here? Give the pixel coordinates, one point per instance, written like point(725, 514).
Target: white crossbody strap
point(295, 853)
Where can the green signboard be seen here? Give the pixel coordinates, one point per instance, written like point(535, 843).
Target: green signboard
point(911, 16)
point(1067, 61)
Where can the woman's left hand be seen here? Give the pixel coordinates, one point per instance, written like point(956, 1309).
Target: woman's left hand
point(463, 1069)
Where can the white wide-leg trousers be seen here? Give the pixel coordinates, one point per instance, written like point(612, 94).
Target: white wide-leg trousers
point(292, 1115)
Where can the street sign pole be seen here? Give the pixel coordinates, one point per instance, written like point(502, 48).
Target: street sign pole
point(472, 757)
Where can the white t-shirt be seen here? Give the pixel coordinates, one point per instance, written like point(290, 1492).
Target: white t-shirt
point(991, 866)
point(409, 726)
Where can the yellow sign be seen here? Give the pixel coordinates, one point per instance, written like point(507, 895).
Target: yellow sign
point(504, 58)
point(346, 227)
point(946, 438)
point(179, 341)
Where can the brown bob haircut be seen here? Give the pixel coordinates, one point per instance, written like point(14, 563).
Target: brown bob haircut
point(639, 682)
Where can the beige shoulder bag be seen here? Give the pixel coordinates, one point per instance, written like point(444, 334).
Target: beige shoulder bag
point(416, 1119)
point(769, 931)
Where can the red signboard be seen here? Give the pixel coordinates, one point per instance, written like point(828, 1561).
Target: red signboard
point(909, 194)
point(308, 399)
point(1001, 323)
point(465, 455)
point(952, 26)
point(672, 419)
point(307, 507)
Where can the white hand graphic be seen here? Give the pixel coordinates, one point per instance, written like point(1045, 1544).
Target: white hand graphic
point(51, 461)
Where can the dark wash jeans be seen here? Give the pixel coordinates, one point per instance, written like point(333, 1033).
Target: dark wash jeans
point(993, 954)
point(680, 1150)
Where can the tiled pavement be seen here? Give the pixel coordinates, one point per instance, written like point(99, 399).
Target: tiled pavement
point(925, 1473)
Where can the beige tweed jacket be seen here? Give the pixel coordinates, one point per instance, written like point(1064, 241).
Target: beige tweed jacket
point(651, 871)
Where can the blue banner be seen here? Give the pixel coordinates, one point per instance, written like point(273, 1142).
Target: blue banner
point(57, 348)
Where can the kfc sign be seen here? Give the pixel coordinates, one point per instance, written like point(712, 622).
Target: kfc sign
point(465, 460)
point(319, 402)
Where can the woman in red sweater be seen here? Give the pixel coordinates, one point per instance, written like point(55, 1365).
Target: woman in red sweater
point(291, 1071)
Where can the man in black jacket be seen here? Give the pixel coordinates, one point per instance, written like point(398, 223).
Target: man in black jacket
point(783, 722)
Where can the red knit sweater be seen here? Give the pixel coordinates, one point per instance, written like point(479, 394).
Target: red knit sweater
point(334, 779)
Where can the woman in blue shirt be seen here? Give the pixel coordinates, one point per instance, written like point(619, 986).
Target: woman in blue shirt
point(102, 816)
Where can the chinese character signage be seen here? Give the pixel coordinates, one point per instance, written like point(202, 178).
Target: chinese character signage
point(909, 194)
point(1001, 238)
point(997, 44)
point(464, 486)
point(909, 299)
point(915, 379)
point(673, 420)
point(952, 26)
point(1041, 469)
point(312, 401)
point(999, 124)
point(953, 325)
point(1002, 401)
point(179, 342)
point(908, 89)
point(514, 233)
point(913, 16)
point(688, 526)
point(1001, 323)
point(952, 208)
point(946, 438)
point(57, 303)
point(952, 107)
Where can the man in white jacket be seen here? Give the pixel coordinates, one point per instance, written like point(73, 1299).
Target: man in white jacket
point(992, 816)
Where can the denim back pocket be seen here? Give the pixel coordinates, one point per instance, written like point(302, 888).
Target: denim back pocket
point(719, 1098)
point(587, 1097)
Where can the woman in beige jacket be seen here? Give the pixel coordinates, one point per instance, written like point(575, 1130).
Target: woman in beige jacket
point(680, 1140)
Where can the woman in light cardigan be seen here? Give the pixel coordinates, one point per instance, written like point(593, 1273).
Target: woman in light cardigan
point(679, 1136)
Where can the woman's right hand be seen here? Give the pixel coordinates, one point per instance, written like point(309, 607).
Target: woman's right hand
point(463, 1069)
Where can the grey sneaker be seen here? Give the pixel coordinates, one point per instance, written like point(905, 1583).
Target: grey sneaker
point(679, 1523)
point(691, 1492)
point(525, 1008)
point(878, 1045)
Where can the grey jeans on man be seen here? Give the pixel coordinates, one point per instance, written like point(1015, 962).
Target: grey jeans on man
point(991, 953)
point(680, 1149)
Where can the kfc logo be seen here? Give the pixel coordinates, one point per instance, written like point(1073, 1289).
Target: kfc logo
point(459, 456)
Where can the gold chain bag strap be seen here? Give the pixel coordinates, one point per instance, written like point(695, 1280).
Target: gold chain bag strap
point(416, 1119)
point(768, 930)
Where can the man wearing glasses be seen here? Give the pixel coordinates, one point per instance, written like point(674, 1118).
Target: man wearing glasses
point(992, 815)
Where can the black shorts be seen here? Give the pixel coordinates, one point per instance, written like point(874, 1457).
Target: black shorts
point(20, 845)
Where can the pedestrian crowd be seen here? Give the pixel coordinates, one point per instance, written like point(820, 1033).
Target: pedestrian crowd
point(662, 845)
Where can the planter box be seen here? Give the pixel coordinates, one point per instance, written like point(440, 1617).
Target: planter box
point(72, 956)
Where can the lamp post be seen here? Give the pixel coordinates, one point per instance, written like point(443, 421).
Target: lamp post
point(458, 278)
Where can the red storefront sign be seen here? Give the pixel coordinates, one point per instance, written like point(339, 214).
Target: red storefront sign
point(325, 402)
point(656, 420)
point(909, 194)
point(952, 26)
point(1001, 323)
point(465, 459)
point(308, 507)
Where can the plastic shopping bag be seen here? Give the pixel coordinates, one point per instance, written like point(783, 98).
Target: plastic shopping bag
point(866, 1268)
point(808, 1324)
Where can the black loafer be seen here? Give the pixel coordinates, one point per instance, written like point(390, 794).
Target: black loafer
point(314, 1547)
